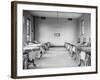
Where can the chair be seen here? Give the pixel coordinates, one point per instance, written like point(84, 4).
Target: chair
point(25, 60)
point(82, 58)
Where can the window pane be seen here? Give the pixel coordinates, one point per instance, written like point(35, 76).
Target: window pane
point(28, 30)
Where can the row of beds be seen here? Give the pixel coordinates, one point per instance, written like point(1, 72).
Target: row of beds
point(81, 52)
point(33, 52)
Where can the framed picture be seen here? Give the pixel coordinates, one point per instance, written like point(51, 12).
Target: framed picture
point(57, 34)
point(49, 39)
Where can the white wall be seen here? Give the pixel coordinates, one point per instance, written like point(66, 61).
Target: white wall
point(45, 29)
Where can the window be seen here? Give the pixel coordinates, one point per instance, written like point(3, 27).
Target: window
point(82, 27)
point(28, 35)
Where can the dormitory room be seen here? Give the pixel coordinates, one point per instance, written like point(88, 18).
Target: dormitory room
point(54, 39)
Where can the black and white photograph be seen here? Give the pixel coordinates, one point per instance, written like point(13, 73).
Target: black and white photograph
point(55, 39)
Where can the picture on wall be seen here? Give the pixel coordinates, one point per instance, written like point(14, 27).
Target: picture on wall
point(53, 39)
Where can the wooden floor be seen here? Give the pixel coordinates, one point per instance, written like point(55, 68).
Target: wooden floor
point(56, 57)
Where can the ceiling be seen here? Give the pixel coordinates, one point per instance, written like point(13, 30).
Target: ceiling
point(54, 14)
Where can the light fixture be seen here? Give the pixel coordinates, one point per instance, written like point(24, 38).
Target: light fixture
point(43, 17)
point(70, 19)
